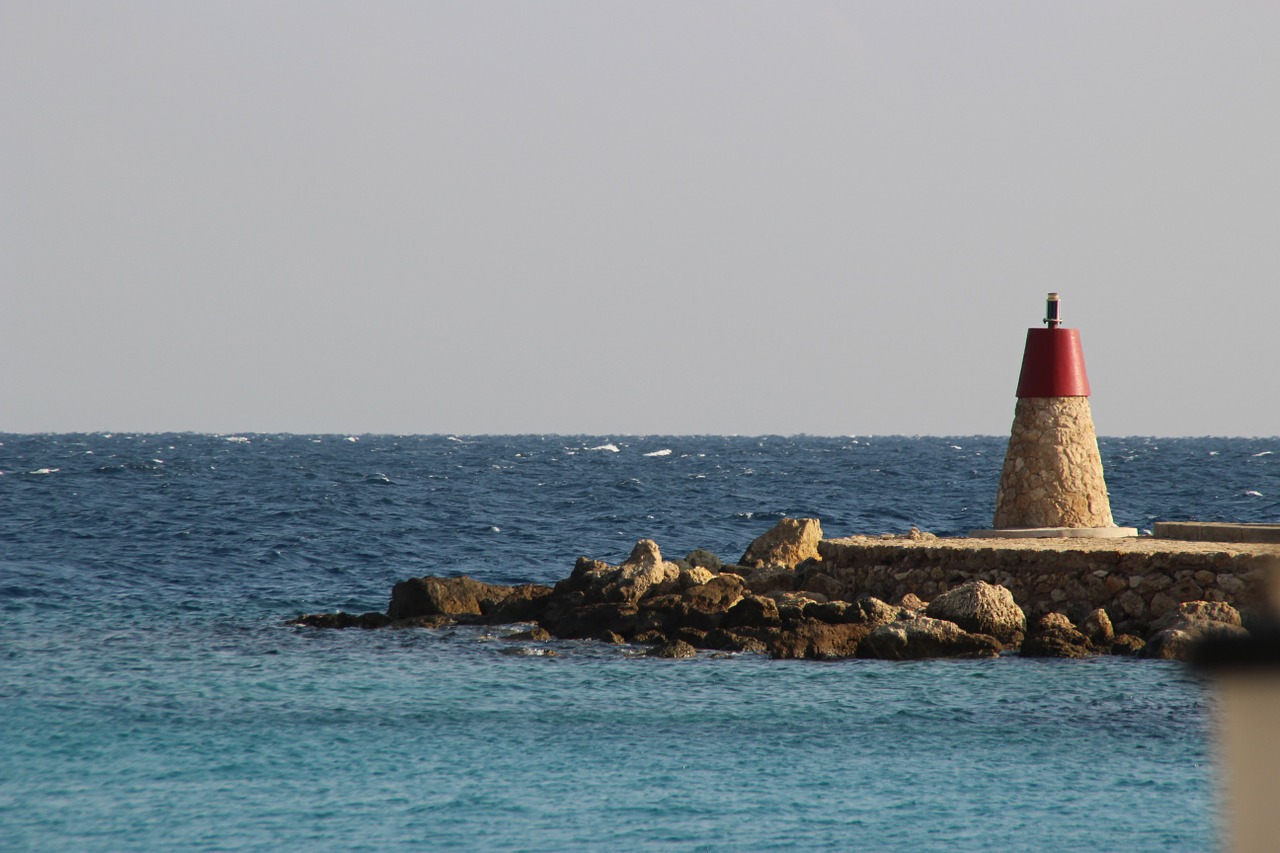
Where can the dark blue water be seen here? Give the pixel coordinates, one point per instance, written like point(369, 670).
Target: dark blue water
point(151, 697)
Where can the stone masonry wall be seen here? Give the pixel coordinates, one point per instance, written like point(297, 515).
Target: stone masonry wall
point(1136, 581)
point(1052, 474)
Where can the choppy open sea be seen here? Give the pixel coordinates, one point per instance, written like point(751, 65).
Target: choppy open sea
point(152, 698)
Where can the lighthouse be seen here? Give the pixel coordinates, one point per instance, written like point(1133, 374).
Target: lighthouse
point(1051, 483)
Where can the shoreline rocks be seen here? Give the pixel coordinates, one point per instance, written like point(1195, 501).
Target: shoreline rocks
point(788, 599)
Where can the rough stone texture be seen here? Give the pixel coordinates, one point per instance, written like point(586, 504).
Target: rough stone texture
point(673, 649)
point(1179, 640)
point(1052, 474)
point(1086, 574)
point(925, 638)
point(790, 542)
point(429, 596)
point(1097, 627)
point(814, 640)
point(981, 608)
point(342, 620)
point(1053, 636)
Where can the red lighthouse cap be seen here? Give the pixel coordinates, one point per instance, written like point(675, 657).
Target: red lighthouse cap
point(1053, 362)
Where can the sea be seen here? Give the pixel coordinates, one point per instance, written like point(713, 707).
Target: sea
point(152, 696)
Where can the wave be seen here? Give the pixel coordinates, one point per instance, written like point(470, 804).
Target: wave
point(664, 452)
point(609, 448)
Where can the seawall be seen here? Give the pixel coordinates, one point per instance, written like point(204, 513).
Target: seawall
point(1136, 580)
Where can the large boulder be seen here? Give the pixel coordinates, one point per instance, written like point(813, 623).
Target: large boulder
point(790, 542)
point(431, 596)
point(915, 639)
point(981, 608)
point(1053, 636)
point(1198, 611)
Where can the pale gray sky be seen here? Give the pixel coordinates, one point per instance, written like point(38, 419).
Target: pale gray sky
point(634, 217)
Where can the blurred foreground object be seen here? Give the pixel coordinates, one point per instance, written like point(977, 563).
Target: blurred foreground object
point(1244, 673)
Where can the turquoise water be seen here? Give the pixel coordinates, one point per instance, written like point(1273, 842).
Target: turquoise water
point(151, 697)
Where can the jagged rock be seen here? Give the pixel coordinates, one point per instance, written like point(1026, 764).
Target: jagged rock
point(431, 596)
point(868, 610)
point(588, 620)
point(728, 641)
point(753, 611)
point(718, 594)
point(1177, 641)
point(342, 620)
point(673, 649)
point(1127, 644)
point(771, 579)
point(1097, 627)
point(913, 602)
point(1198, 611)
point(703, 558)
point(644, 572)
point(831, 612)
point(526, 603)
point(693, 576)
point(981, 608)
point(925, 638)
point(814, 640)
point(787, 544)
point(1053, 636)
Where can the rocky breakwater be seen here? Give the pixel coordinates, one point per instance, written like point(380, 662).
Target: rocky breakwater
point(794, 595)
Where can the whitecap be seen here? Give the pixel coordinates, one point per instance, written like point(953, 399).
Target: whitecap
point(45, 471)
point(611, 448)
point(666, 452)
point(493, 528)
point(1253, 494)
point(352, 438)
point(1213, 453)
point(1263, 453)
point(956, 447)
point(237, 439)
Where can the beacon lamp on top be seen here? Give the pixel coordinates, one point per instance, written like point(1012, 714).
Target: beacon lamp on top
point(1052, 484)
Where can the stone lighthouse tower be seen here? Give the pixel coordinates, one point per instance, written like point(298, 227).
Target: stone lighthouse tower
point(1052, 484)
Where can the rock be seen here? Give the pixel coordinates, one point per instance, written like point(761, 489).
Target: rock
point(790, 542)
point(526, 603)
point(814, 640)
point(981, 608)
point(753, 611)
point(1127, 644)
point(1179, 640)
point(771, 579)
point(672, 649)
point(1053, 636)
point(831, 612)
point(536, 635)
point(871, 611)
point(718, 594)
point(701, 558)
point(913, 602)
point(1198, 611)
point(571, 621)
point(1097, 627)
point(925, 638)
point(642, 573)
point(728, 641)
point(431, 596)
point(342, 620)
point(693, 576)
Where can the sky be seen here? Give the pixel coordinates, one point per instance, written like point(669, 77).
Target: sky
point(606, 218)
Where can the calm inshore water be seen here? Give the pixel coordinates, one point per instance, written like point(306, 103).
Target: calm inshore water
point(151, 697)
